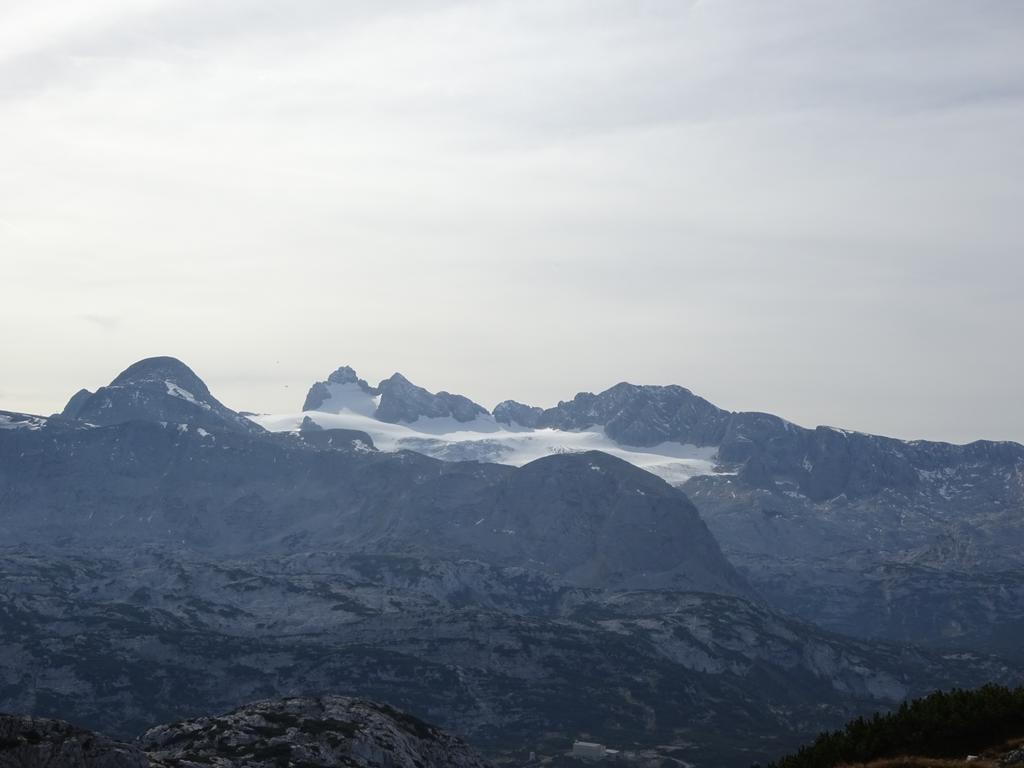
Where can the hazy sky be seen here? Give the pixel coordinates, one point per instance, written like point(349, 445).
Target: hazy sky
point(812, 208)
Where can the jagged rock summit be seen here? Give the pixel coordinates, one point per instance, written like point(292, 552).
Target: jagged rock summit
point(395, 400)
point(161, 389)
point(342, 390)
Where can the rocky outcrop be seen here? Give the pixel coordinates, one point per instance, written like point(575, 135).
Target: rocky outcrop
point(159, 389)
point(308, 425)
point(513, 413)
point(336, 439)
point(36, 742)
point(312, 732)
point(1013, 757)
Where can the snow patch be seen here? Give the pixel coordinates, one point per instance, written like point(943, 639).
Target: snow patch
point(8, 421)
point(175, 391)
point(349, 398)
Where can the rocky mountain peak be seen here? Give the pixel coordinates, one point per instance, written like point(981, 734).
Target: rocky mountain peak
point(160, 389)
point(160, 369)
point(397, 380)
point(343, 390)
point(403, 401)
point(347, 375)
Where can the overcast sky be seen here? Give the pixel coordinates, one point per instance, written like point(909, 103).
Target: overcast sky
point(805, 207)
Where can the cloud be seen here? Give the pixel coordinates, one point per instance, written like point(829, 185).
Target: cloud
point(792, 206)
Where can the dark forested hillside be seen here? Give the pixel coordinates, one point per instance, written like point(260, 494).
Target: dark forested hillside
point(945, 724)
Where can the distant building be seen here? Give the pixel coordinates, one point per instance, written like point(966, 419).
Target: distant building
point(589, 750)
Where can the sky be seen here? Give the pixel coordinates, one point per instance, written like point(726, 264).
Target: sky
point(810, 208)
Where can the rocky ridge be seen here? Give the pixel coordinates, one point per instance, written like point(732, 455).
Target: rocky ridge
point(37, 742)
point(320, 732)
point(315, 732)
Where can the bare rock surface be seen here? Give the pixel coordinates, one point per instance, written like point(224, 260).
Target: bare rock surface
point(327, 731)
point(311, 732)
point(36, 742)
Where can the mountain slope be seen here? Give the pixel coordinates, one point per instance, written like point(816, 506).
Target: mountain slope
point(950, 724)
point(36, 742)
point(598, 520)
point(510, 659)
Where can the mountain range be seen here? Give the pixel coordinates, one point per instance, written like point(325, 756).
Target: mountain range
point(166, 557)
point(866, 535)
